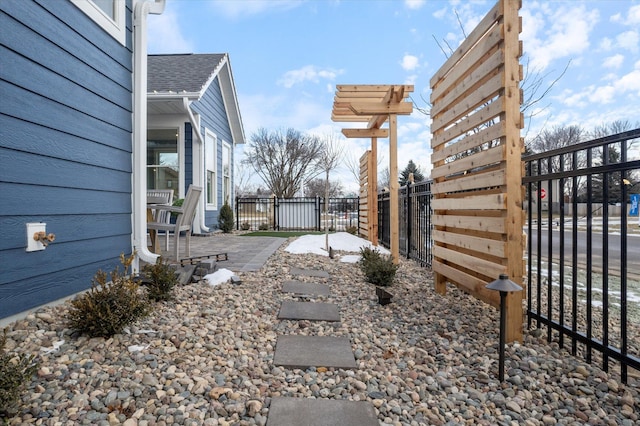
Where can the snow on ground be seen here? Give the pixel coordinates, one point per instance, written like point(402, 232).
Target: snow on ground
point(350, 258)
point(341, 241)
point(218, 277)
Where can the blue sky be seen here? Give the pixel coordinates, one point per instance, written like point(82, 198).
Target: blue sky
point(287, 56)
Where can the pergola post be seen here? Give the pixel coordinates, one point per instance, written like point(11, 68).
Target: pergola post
point(393, 188)
point(373, 193)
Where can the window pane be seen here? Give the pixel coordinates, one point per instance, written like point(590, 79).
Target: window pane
point(163, 170)
point(211, 180)
point(107, 6)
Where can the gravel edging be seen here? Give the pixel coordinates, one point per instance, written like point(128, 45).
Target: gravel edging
point(206, 359)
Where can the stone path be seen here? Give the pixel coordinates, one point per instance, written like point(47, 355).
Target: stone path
point(302, 352)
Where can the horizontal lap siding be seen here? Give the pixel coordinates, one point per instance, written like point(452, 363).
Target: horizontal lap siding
point(65, 123)
point(214, 117)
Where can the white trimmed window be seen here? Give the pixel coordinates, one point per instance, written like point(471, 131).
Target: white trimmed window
point(109, 14)
point(210, 160)
point(226, 173)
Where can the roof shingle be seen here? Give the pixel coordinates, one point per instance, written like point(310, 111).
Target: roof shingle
point(180, 72)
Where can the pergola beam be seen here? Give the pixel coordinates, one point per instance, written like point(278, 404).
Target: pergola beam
point(366, 133)
point(376, 108)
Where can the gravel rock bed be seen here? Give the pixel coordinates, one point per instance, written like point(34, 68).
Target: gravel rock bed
point(206, 358)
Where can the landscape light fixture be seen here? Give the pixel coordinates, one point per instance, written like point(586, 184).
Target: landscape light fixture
point(504, 285)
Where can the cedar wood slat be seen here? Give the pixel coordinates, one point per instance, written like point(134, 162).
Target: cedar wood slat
point(487, 245)
point(470, 182)
point(471, 141)
point(474, 223)
point(480, 159)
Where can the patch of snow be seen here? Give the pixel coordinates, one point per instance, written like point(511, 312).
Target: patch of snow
point(350, 258)
point(219, 277)
point(54, 348)
point(136, 348)
point(340, 241)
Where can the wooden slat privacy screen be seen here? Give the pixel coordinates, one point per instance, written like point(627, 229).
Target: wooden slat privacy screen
point(368, 199)
point(476, 160)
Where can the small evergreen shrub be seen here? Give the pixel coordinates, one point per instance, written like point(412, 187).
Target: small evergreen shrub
point(263, 226)
point(110, 305)
point(245, 226)
point(162, 279)
point(353, 230)
point(177, 203)
point(377, 268)
point(225, 218)
point(15, 373)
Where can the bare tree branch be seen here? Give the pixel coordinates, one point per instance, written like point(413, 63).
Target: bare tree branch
point(283, 160)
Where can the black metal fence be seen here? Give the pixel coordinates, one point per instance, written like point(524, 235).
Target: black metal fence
point(296, 214)
point(583, 271)
point(415, 221)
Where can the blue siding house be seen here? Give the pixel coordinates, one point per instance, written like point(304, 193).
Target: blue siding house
point(194, 124)
point(72, 143)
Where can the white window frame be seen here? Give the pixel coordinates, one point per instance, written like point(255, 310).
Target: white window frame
point(116, 26)
point(226, 192)
point(211, 166)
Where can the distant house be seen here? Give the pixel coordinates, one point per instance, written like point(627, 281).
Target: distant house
point(193, 125)
point(72, 143)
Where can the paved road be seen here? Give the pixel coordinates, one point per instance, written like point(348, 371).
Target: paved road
point(614, 250)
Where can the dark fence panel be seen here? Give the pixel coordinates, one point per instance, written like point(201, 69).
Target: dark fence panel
point(415, 221)
point(296, 214)
point(583, 278)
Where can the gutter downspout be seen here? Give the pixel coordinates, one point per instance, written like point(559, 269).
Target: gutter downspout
point(195, 128)
point(140, 11)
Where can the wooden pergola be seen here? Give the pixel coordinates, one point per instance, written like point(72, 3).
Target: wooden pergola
point(375, 104)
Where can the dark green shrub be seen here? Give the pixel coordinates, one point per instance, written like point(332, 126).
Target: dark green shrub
point(352, 230)
point(377, 268)
point(161, 279)
point(263, 226)
point(245, 226)
point(225, 218)
point(15, 373)
point(177, 203)
point(108, 306)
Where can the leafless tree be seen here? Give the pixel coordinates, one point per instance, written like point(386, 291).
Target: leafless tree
point(352, 163)
point(329, 159)
point(316, 188)
point(617, 126)
point(384, 179)
point(242, 181)
point(284, 160)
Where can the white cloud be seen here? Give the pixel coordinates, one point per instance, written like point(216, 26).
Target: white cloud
point(240, 9)
point(632, 16)
point(409, 62)
point(414, 4)
point(556, 33)
point(308, 73)
point(164, 34)
point(614, 61)
point(629, 40)
point(628, 84)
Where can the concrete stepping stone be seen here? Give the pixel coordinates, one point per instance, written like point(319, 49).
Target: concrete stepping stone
point(310, 273)
point(287, 411)
point(314, 311)
point(313, 351)
point(307, 289)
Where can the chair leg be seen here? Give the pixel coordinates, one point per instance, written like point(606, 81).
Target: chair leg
point(188, 243)
point(166, 240)
point(177, 248)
